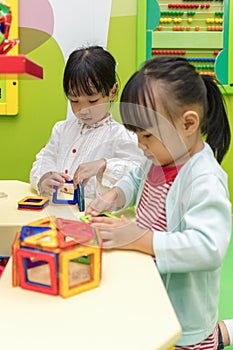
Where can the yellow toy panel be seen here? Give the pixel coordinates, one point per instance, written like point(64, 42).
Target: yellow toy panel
point(8, 41)
point(75, 276)
point(33, 203)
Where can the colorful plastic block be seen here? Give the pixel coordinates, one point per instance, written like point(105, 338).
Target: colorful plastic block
point(78, 197)
point(45, 239)
point(48, 221)
point(57, 257)
point(76, 277)
point(33, 203)
point(69, 228)
point(56, 200)
point(15, 247)
point(104, 213)
point(33, 280)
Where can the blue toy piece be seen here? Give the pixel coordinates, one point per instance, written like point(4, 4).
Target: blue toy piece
point(65, 201)
point(81, 199)
point(78, 197)
point(32, 230)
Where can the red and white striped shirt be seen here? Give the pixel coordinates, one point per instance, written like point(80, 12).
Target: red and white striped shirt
point(151, 214)
point(210, 343)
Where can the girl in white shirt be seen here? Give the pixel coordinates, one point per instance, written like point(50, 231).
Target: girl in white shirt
point(90, 146)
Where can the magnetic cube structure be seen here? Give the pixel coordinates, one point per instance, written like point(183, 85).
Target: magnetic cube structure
point(57, 256)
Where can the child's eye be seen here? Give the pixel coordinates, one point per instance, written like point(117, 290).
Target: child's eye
point(147, 136)
point(93, 101)
point(73, 101)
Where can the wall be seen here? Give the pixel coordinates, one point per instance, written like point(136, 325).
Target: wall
point(122, 41)
point(150, 38)
point(48, 32)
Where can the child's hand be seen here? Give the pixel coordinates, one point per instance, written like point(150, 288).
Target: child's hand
point(108, 201)
point(117, 233)
point(51, 179)
point(86, 170)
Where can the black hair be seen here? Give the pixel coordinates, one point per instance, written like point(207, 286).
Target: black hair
point(88, 71)
point(181, 85)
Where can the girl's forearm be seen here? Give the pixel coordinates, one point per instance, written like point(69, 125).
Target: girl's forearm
point(143, 244)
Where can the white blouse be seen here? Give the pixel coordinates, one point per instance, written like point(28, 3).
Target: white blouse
point(73, 143)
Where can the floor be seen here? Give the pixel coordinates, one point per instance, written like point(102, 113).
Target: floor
point(226, 297)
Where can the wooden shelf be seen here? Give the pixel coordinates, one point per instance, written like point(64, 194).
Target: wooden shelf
point(20, 64)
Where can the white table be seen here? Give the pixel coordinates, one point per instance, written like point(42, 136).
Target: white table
point(130, 310)
point(12, 219)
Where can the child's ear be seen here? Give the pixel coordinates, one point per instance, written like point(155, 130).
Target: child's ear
point(113, 92)
point(191, 121)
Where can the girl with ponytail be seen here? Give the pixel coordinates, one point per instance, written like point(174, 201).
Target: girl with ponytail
point(183, 211)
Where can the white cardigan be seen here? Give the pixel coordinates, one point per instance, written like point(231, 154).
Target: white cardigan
point(190, 253)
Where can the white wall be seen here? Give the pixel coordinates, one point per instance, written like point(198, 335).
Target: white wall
point(80, 23)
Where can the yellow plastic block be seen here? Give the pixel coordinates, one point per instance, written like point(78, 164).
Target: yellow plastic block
point(15, 273)
point(75, 277)
point(42, 240)
point(49, 221)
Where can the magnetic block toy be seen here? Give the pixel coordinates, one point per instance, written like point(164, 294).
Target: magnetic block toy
point(57, 256)
point(78, 196)
point(33, 203)
point(104, 213)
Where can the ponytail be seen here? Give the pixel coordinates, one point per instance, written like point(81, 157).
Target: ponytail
point(215, 126)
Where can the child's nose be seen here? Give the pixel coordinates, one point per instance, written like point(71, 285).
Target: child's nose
point(84, 110)
point(140, 145)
